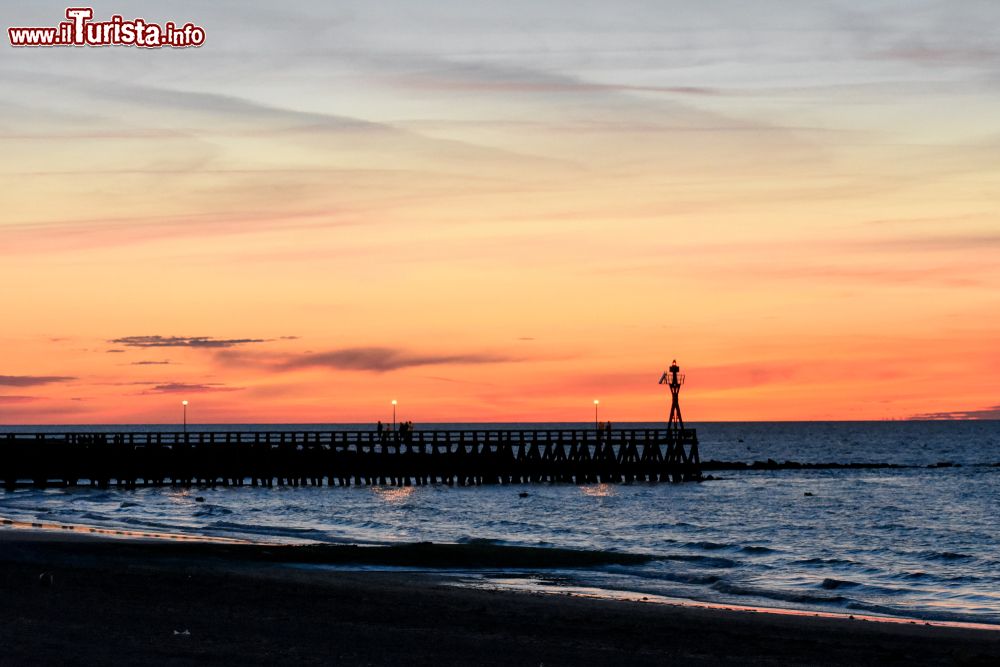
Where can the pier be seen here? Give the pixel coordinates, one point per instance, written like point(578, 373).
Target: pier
point(347, 458)
point(397, 457)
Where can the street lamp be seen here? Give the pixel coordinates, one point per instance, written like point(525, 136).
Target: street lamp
point(394, 414)
point(596, 423)
point(185, 404)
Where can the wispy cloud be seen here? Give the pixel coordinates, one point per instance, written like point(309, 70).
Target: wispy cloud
point(32, 380)
point(967, 274)
point(4, 400)
point(150, 363)
point(939, 55)
point(367, 359)
point(546, 85)
point(185, 388)
point(184, 341)
point(982, 413)
point(382, 359)
point(957, 241)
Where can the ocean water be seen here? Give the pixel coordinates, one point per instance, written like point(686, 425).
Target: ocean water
point(917, 542)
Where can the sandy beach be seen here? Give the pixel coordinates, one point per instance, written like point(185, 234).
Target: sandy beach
point(72, 599)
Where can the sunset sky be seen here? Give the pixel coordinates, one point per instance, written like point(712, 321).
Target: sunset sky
point(500, 211)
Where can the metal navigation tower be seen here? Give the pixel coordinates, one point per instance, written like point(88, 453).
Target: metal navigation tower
point(673, 378)
point(682, 443)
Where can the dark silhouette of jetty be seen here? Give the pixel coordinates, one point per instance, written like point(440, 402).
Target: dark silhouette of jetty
point(343, 458)
point(400, 457)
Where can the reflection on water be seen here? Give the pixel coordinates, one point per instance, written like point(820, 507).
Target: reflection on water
point(179, 495)
point(598, 490)
point(393, 494)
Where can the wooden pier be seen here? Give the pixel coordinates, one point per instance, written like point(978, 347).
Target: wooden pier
point(345, 458)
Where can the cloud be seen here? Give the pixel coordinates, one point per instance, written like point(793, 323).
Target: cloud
point(368, 359)
point(533, 82)
point(984, 413)
point(933, 55)
point(32, 380)
point(179, 101)
point(438, 378)
point(382, 359)
point(114, 351)
point(43, 412)
point(4, 400)
point(184, 341)
point(944, 242)
point(150, 363)
point(50, 235)
point(185, 388)
point(957, 275)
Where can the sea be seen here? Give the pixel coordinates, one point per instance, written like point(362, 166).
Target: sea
point(918, 542)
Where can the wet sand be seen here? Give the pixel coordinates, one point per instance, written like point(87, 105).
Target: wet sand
point(72, 599)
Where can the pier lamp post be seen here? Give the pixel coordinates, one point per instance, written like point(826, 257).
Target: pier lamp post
point(185, 404)
point(394, 414)
point(596, 423)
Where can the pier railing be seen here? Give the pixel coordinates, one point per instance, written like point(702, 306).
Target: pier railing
point(343, 458)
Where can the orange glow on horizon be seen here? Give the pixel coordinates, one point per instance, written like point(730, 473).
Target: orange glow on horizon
point(499, 225)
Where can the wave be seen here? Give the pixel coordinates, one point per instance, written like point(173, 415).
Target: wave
point(275, 531)
point(757, 550)
point(893, 526)
point(947, 556)
point(663, 525)
point(146, 523)
point(938, 578)
point(84, 496)
point(482, 541)
point(729, 588)
point(718, 546)
point(677, 577)
point(36, 509)
point(824, 561)
point(708, 546)
point(212, 510)
point(464, 556)
point(707, 561)
point(936, 614)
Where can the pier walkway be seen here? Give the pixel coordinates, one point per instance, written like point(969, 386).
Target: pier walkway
point(344, 458)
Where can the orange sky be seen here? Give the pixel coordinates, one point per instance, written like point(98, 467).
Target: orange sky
point(497, 212)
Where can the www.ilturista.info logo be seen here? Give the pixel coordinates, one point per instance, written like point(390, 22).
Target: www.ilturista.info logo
point(80, 30)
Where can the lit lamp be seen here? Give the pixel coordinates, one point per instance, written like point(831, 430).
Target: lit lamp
point(394, 414)
point(185, 404)
point(596, 423)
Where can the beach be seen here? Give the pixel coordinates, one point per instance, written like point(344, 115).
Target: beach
point(76, 599)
